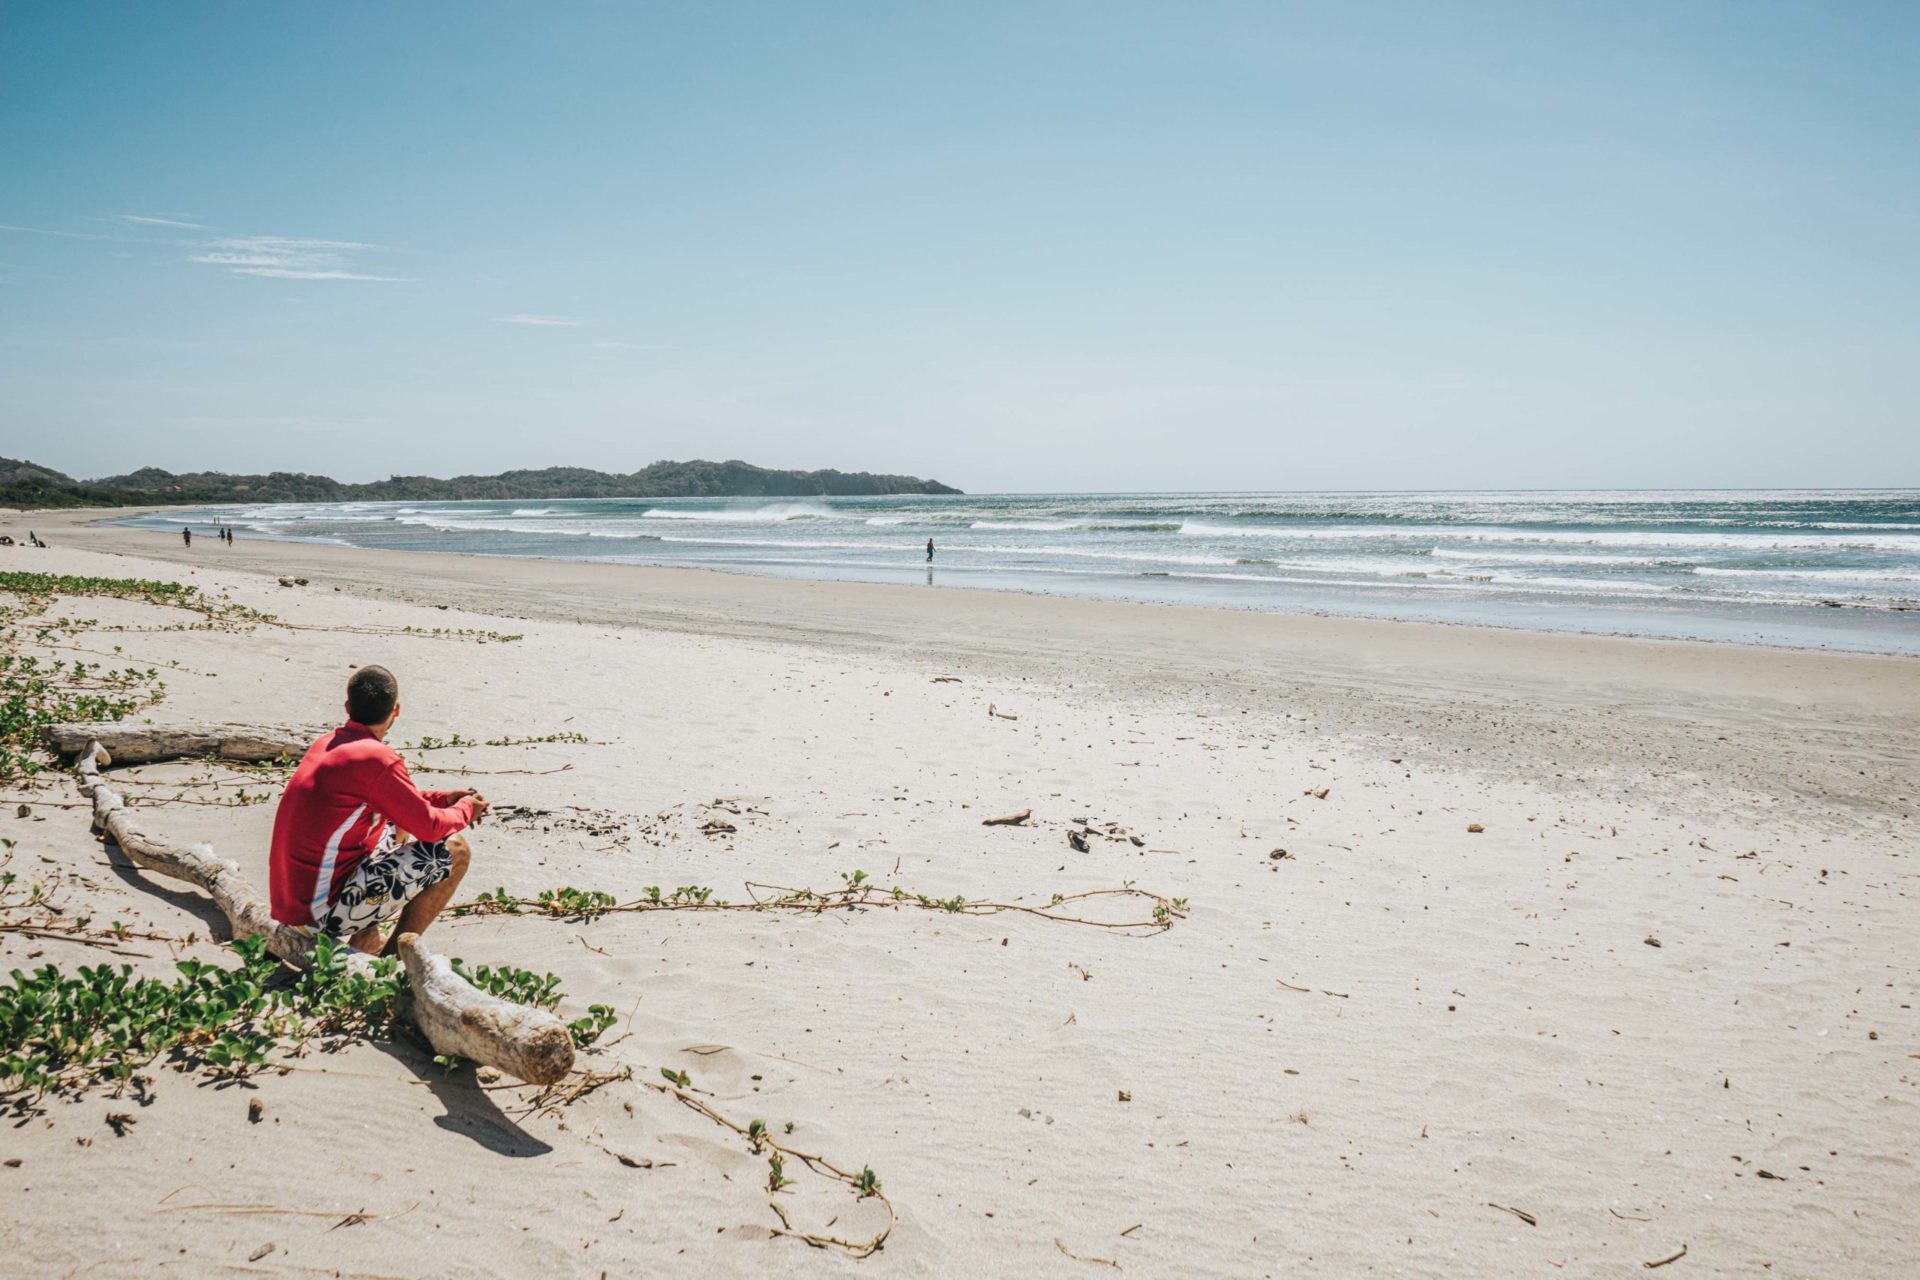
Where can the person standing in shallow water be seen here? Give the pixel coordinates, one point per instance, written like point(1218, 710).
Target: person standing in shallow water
point(929, 550)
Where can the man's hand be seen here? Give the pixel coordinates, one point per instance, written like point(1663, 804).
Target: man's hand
point(479, 801)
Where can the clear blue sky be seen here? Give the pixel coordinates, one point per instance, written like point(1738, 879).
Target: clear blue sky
point(1022, 246)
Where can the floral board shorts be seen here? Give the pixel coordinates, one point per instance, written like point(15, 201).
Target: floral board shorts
point(382, 884)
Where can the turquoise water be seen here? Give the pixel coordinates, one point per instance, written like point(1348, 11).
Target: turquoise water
point(1832, 568)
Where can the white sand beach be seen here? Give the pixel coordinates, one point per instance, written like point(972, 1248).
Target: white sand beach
point(1501, 953)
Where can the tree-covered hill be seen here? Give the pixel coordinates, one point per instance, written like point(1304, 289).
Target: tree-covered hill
point(27, 485)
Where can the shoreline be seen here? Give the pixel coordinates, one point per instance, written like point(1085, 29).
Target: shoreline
point(1382, 679)
point(95, 531)
point(1808, 622)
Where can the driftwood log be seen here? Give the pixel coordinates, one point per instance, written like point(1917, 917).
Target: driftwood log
point(456, 1017)
point(144, 744)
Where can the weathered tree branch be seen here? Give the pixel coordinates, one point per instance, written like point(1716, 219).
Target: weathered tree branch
point(144, 744)
point(456, 1016)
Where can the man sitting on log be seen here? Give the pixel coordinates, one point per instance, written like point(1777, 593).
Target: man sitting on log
point(337, 866)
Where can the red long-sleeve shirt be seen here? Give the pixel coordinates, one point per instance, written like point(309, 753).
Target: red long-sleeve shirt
point(336, 807)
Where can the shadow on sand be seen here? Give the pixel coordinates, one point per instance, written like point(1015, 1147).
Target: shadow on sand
point(192, 901)
point(470, 1110)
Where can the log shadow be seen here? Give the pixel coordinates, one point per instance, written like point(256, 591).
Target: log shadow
point(470, 1110)
point(196, 904)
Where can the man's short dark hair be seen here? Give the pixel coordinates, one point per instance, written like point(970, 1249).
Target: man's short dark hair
point(372, 693)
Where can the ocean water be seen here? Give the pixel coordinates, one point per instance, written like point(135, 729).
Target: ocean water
point(1817, 568)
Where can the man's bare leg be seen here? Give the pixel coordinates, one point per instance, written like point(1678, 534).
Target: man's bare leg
point(421, 910)
point(367, 940)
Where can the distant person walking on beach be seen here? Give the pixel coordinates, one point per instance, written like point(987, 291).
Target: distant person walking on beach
point(929, 550)
point(186, 535)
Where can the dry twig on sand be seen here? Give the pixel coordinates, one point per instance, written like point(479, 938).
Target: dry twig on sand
point(254, 1209)
point(1105, 1262)
point(1521, 1214)
point(463, 772)
point(759, 1139)
point(29, 912)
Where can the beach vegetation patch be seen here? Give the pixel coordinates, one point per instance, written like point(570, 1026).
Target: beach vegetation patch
point(42, 588)
point(856, 892)
point(521, 986)
point(536, 991)
point(37, 691)
point(462, 633)
point(428, 742)
point(62, 1033)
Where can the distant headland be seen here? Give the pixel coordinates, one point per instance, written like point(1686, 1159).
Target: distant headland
point(28, 486)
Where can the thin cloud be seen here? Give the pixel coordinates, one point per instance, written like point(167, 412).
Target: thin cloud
point(283, 244)
point(631, 346)
point(144, 221)
point(545, 322)
point(290, 258)
point(239, 259)
point(291, 273)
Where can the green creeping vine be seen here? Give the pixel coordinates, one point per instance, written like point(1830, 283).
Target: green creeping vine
point(35, 692)
point(865, 1184)
point(461, 633)
point(425, 633)
point(430, 743)
point(61, 1034)
point(42, 587)
point(523, 986)
point(857, 892)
